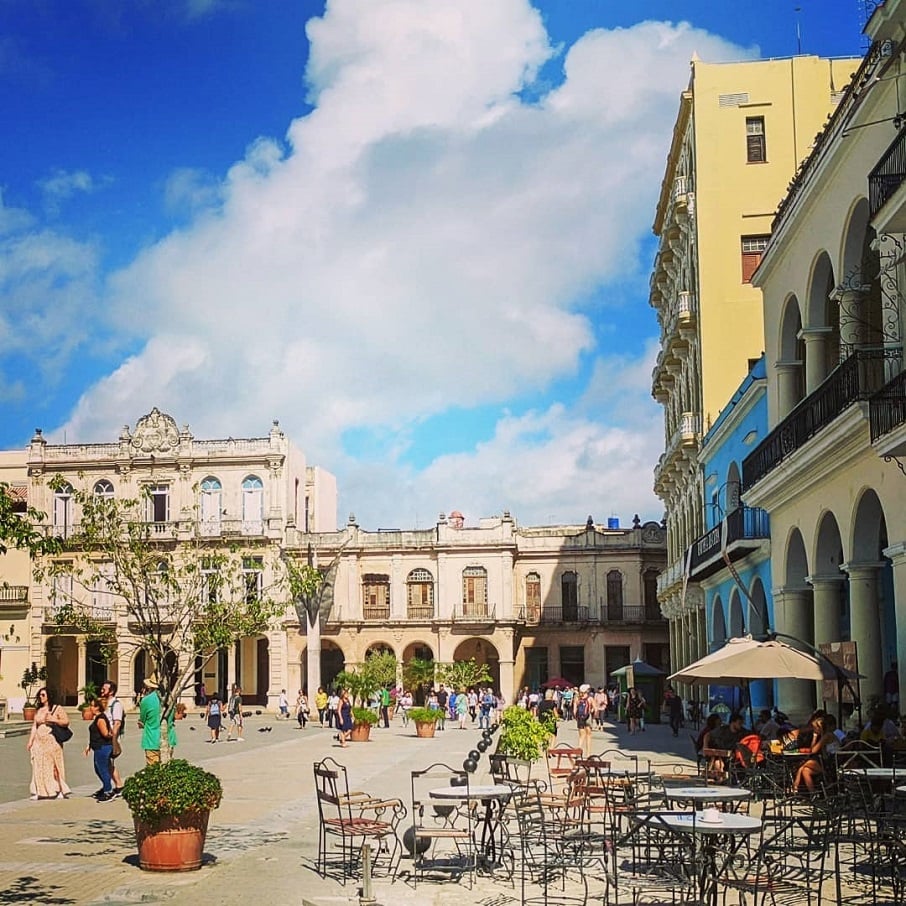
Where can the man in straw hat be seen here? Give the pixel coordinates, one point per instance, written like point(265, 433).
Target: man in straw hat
point(149, 720)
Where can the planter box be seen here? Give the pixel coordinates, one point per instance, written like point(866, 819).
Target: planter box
point(425, 729)
point(360, 733)
point(172, 844)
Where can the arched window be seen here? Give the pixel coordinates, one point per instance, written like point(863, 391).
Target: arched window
point(103, 488)
point(62, 510)
point(252, 505)
point(210, 506)
point(475, 591)
point(420, 595)
point(649, 591)
point(614, 595)
point(569, 596)
point(533, 597)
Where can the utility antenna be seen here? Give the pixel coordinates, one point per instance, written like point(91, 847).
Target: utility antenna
point(798, 10)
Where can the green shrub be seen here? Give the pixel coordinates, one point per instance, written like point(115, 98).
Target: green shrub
point(165, 790)
point(424, 715)
point(521, 735)
point(364, 716)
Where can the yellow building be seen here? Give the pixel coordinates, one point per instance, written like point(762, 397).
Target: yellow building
point(741, 131)
point(15, 577)
point(831, 470)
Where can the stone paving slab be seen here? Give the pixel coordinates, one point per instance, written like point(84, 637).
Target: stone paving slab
point(262, 842)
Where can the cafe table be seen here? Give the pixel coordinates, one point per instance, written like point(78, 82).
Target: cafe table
point(708, 795)
point(493, 842)
point(721, 837)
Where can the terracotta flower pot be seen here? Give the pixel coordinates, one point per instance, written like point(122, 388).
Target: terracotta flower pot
point(86, 713)
point(28, 714)
point(172, 844)
point(360, 733)
point(425, 728)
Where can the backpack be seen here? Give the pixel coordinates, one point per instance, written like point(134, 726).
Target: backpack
point(582, 709)
point(487, 701)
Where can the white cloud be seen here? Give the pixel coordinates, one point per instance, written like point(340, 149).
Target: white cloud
point(421, 244)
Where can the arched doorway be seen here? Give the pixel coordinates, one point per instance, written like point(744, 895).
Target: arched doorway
point(484, 653)
point(332, 662)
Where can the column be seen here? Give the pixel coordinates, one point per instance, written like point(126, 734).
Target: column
point(826, 598)
point(788, 386)
point(82, 664)
point(231, 677)
point(793, 617)
point(864, 627)
point(815, 355)
point(897, 554)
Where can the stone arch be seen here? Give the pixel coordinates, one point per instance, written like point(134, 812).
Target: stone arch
point(333, 662)
point(858, 295)
point(869, 528)
point(795, 561)
point(828, 554)
point(718, 624)
point(419, 649)
point(791, 361)
point(484, 651)
point(822, 323)
point(737, 625)
point(732, 488)
point(759, 619)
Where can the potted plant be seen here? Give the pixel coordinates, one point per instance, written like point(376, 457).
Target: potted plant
point(425, 720)
point(170, 805)
point(521, 735)
point(30, 679)
point(89, 692)
point(363, 719)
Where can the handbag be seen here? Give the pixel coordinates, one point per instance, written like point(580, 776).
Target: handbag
point(60, 733)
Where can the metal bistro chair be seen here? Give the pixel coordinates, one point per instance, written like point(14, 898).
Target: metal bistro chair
point(443, 830)
point(552, 847)
point(353, 819)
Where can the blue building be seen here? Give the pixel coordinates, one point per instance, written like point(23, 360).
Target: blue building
point(731, 562)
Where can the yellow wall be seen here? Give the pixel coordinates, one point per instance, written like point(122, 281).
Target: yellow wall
point(735, 198)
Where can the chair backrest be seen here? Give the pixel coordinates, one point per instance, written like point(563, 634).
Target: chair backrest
point(426, 808)
point(332, 789)
point(561, 760)
point(859, 754)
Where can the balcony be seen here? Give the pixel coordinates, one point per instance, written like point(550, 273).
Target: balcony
point(13, 597)
point(474, 613)
point(634, 613)
point(884, 182)
point(855, 379)
point(572, 613)
point(420, 612)
point(887, 416)
point(746, 528)
point(376, 614)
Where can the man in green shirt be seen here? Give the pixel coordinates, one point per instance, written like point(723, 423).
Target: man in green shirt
point(385, 706)
point(149, 714)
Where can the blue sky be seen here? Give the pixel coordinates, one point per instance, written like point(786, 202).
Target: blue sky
point(415, 231)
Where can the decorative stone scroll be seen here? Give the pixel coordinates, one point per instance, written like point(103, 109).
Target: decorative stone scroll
point(155, 432)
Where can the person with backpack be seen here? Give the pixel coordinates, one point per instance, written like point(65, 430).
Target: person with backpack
point(214, 717)
point(234, 712)
point(385, 707)
point(584, 713)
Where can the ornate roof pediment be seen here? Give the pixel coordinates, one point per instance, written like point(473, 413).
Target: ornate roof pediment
point(155, 432)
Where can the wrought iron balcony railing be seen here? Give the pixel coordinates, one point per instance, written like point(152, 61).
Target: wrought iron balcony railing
point(854, 379)
point(374, 614)
point(888, 174)
point(887, 408)
point(420, 612)
point(743, 523)
point(472, 612)
point(574, 613)
point(13, 594)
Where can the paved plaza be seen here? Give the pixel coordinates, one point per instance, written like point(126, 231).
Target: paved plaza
point(263, 839)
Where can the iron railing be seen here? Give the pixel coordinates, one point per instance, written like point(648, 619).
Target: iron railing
point(473, 612)
point(887, 408)
point(888, 174)
point(13, 594)
point(381, 612)
point(745, 522)
point(855, 378)
point(420, 612)
point(571, 613)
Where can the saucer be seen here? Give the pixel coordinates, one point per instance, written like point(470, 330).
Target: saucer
point(718, 820)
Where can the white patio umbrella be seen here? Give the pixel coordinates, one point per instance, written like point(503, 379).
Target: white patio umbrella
point(749, 659)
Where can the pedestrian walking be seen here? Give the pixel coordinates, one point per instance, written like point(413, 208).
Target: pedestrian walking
point(149, 716)
point(302, 709)
point(48, 770)
point(234, 713)
point(116, 717)
point(214, 716)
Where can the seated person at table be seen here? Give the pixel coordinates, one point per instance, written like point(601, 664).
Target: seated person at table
point(880, 728)
point(766, 726)
point(704, 738)
point(823, 744)
point(727, 736)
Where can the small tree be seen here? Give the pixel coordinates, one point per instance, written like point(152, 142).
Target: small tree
point(183, 600)
point(309, 589)
point(463, 674)
point(418, 675)
point(378, 671)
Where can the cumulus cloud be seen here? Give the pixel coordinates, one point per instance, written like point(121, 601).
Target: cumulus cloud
point(424, 239)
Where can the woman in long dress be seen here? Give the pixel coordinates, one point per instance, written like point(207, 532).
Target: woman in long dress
point(48, 771)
